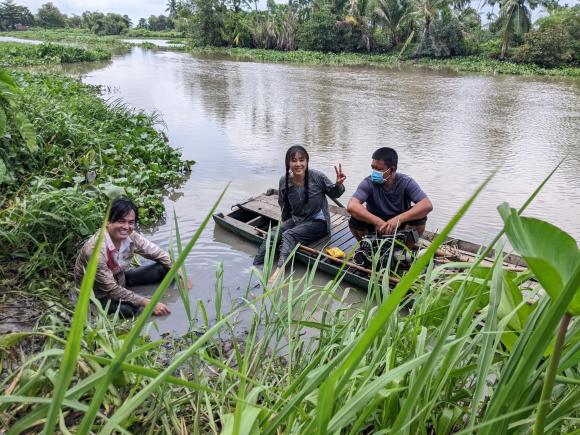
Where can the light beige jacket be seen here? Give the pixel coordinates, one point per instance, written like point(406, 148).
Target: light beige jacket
point(110, 277)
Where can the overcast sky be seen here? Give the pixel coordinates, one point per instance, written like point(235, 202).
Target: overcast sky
point(144, 8)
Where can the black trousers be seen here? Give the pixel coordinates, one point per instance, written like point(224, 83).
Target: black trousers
point(149, 274)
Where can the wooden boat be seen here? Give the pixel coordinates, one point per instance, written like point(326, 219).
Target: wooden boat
point(252, 218)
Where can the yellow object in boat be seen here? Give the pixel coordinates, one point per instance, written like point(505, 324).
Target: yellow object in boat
point(335, 252)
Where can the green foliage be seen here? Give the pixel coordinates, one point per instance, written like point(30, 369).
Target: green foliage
point(550, 253)
point(445, 38)
point(12, 14)
point(402, 371)
point(50, 17)
point(17, 54)
point(89, 151)
point(464, 63)
point(320, 33)
point(208, 23)
point(556, 42)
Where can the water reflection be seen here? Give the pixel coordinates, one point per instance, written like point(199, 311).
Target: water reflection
point(236, 119)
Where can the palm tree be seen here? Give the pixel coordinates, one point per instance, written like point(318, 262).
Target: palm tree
point(516, 19)
point(172, 6)
point(394, 14)
point(427, 11)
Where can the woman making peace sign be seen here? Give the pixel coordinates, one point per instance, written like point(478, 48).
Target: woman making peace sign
point(302, 198)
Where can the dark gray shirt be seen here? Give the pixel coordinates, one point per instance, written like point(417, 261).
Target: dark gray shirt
point(399, 198)
point(318, 187)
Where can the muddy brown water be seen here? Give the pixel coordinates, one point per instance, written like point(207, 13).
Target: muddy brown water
point(236, 119)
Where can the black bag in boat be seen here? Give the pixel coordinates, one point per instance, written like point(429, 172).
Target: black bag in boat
point(393, 250)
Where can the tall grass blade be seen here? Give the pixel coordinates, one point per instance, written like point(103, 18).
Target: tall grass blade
point(117, 362)
point(349, 364)
point(73, 343)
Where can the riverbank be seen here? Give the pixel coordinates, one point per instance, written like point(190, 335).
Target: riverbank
point(459, 64)
point(55, 194)
point(480, 64)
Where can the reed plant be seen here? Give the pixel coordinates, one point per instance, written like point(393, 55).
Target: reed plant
point(468, 354)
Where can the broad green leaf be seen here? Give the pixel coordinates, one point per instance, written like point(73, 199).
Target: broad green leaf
point(2, 121)
point(26, 130)
point(248, 424)
point(7, 79)
point(3, 170)
point(549, 252)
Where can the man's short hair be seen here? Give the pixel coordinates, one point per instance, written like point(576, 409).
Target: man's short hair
point(121, 207)
point(387, 155)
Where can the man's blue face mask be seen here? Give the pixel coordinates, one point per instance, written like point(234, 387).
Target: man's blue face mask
point(377, 176)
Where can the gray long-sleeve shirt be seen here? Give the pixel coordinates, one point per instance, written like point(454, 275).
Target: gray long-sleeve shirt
point(318, 187)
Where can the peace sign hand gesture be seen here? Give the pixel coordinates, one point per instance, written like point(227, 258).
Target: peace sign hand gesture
point(340, 177)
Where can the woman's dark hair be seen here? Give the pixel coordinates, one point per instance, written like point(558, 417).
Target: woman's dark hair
point(120, 208)
point(293, 151)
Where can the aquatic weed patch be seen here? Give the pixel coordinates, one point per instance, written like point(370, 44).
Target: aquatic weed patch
point(78, 37)
point(88, 151)
point(19, 54)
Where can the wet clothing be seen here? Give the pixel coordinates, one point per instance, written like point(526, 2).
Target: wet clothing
point(302, 223)
point(318, 187)
point(149, 274)
point(292, 234)
point(386, 204)
point(110, 279)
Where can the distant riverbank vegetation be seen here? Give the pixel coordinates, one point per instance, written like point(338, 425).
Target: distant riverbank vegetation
point(421, 31)
point(17, 54)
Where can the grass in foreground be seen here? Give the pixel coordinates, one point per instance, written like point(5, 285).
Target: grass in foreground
point(469, 356)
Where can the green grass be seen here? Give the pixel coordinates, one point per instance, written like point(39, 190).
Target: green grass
point(15, 54)
point(441, 366)
point(145, 33)
point(462, 64)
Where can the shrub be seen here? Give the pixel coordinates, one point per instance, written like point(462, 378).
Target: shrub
point(446, 39)
point(319, 33)
point(556, 42)
point(382, 41)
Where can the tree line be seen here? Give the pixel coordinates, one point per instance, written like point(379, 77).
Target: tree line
point(408, 28)
point(412, 28)
point(15, 17)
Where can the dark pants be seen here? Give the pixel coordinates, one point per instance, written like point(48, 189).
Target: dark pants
point(291, 235)
point(370, 228)
point(149, 274)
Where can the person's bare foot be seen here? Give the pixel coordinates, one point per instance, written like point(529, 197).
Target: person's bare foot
point(274, 277)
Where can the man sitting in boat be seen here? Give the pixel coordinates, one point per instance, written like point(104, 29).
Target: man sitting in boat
point(393, 200)
point(113, 273)
point(302, 198)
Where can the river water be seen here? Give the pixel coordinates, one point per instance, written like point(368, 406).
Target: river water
point(236, 119)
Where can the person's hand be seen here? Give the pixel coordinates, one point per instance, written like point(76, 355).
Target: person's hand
point(160, 309)
point(184, 284)
point(340, 177)
point(389, 227)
